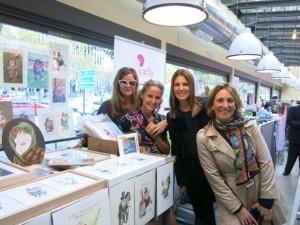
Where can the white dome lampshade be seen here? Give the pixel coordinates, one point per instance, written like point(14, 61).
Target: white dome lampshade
point(268, 64)
point(175, 12)
point(283, 74)
point(245, 47)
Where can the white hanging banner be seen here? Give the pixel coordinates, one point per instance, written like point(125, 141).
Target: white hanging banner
point(149, 62)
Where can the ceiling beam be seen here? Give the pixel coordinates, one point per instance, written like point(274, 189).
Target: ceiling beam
point(274, 21)
point(274, 47)
point(272, 28)
point(269, 14)
point(264, 3)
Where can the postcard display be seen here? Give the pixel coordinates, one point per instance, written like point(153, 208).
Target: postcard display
point(132, 186)
point(39, 198)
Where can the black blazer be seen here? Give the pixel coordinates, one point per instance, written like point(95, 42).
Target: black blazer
point(183, 130)
point(293, 122)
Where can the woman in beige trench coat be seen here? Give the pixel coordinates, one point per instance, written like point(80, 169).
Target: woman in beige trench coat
point(237, 163)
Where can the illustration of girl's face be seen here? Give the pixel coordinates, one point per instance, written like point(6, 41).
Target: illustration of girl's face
point(23, 141)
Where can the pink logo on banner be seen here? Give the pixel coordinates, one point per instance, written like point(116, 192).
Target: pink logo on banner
point(141, 60)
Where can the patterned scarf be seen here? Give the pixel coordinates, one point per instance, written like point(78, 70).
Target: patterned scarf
point(245, 163)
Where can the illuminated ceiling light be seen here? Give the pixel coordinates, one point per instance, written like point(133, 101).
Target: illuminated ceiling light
point(294, 35)
point(268, 64)
point(245, 47)
point(175, 12)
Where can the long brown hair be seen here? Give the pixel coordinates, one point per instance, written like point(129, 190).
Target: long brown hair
point(193, 102)
point(118, 101)
point(236, 97)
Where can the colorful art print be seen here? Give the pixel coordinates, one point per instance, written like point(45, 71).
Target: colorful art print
point(59, 90)
point(164, 187)
point(106, 130)
point(8, 205)
point(12, 68)
point(23, 142)
point(91, 210)
point(144, 198)
point(37, 70)
point(68, 182)
point(32, 193)
point(128, 143)
point(25, 111)
point(122, 203)
point(65, 121)
point(76, 154)
point(5, 116)
point(47, 123)
point(59, 58)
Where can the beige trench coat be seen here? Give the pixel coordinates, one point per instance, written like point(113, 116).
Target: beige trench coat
point(217, 159)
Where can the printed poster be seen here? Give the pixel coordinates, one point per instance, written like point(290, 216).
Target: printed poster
point(149, 62)
point(6, 115)
point(12, 67)
point(92, 210)
point(144, 198)
point(56, 123)
point(37, 70)
point(122, 203)
point(59, 59)
point(164, 187)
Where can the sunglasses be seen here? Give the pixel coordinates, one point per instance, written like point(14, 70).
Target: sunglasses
point(126, 83)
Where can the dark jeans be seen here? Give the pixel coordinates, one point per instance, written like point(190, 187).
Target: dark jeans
point(293, 153)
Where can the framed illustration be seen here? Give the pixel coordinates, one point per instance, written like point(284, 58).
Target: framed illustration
point(90, 210)
point(67, 182)
point(144, 197)
point(38, 197)
point(23, 142)
point(37, 70)
point(164, 188)
point(13, 68)
point(128, 143)
point(73, 153)
point(6, 115)
point(122, 203)
point(119, 169)
point(8, 205)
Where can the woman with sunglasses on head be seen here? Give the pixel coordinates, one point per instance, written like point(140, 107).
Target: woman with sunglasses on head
point(187, 115)
point(124, 97)
point(237, 163)
point(145, 119)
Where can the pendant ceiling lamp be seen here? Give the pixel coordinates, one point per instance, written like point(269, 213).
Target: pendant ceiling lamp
point(245, 47)
point(283, 74)
point(268, 64)
point(175, 12)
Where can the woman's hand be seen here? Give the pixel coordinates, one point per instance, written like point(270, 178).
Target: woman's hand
point(266, 213)
point(155, 130)
point(245, 217)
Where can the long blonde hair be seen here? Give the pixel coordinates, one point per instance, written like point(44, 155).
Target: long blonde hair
point(193, 102)
point(118, 101)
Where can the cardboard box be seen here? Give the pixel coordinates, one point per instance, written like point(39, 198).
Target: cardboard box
point(40, 206)
point(105, 146)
